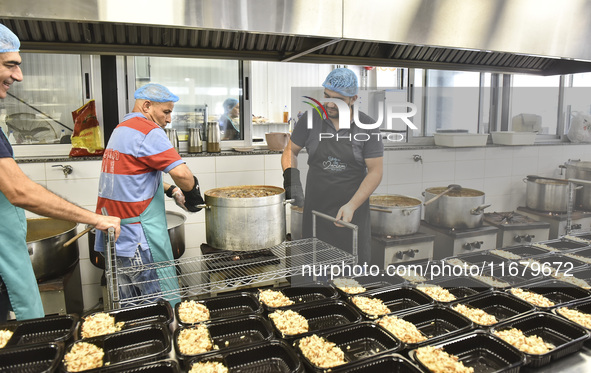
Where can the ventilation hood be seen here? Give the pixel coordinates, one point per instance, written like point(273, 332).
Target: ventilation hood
point(541, 37)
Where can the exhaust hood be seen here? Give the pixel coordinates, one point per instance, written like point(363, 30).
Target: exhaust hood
point(522, 36)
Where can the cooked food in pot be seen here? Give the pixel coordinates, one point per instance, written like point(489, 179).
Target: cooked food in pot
point(461, 192)
point(475, 314)
point(437, 292)
point(83, 356)
point(191, 311)
point(322, 353)
point(533, 298)
point(209, 367)
point(100, 323)
point(406, 331)
point(531, 345)
point(349, 285)
point(274, 298)
point(439, 361)
point(371, 306)
point(393, 201)
point(244, 192)
point(192, 341)
point(581, 318)
point(4, 337)
point(289, 322)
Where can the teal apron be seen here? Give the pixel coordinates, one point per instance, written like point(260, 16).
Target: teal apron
point(16, 269)
point(153, 221)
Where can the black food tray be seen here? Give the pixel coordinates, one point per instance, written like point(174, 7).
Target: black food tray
point(162, 366)
point(581, 273)
point(230, 333)
point(501, 305)
point(357, 341)
point(147, 343)
point(31, 358)
point(557, 291)
point(522, 274)
point(566, 336)
point(396, 299)
point(461, 287)
point(481, 351)
point(269, 356)
point(525, 251)
point(227, 306)
point(323, 315)
point(41, 330)
point(137, 316)
point(563, 244)
point(382, 363)
point(304, 294)
point(436, 322)
point(584, 252)
point(559, 262)
point(478, 258)
point(581, 306)
point(372, 283)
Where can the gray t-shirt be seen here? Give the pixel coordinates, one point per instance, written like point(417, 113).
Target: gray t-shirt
point(366, 143)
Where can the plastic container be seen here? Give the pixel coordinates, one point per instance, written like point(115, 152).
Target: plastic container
point(581, 306)
point(525, 251)
point(562, 244)
point(513, 274)
point(461, 287)
point(269, 356)
point(138, 316)
point(584, 252)
point(481, 351)
point(396, 299)
point(321, 316)
point(513, 138)
point(480, 258)
point(436, 322)
point(141, 344)
point(357, 341)
point(228, 306)
point(372, 283)
point(39, 358)
point(501, 305)
point(559, 262)
point(163, 366)
point(230, 334)
point(41, 330)
point(456, 140)
point(382, 363)
point(304, 294)
point(567, 337)
point(557, 291)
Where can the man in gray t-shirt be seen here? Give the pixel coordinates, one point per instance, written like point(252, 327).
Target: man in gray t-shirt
point(345, 167)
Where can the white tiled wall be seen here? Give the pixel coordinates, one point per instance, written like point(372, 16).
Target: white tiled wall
point(498, 171)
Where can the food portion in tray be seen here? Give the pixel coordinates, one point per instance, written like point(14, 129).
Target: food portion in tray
point(5, 335)
point(572, 280)
point(191, 311)
point(208, 367)
point(504, 254)
point(349, 285)
point(289, 322)
point(83, 356)
point(320, 352)
point(531, 297)
point(406, 331)
point(273, 298)
point(492, 281)
point(193, 341)
point(579, 257)
point(531, 344)
point(100, 323)
point(581, 318)
point(477, 315)
point(371, 306)
point(437, 292)
point(439, 361)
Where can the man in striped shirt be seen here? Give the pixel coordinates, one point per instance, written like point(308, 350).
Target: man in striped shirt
point(131, 188)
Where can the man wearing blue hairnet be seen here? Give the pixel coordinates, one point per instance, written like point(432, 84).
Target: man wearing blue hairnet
point(131, 187)
point(229, 125)
point(345, 167)
point(18, 286)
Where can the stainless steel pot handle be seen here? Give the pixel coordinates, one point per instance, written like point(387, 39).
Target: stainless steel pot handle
point(290, 201)
point(379, 209)
point(406, 212)
point(203, 207)
point(478, 210)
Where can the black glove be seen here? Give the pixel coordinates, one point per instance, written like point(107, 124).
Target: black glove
point(169, 191)
point(193, 198)
point(293, 186)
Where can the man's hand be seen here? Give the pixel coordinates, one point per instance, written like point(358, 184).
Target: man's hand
point(105, 222)
point(193, 197)
point(345, 214)
point(293, 186)
point(179, 198)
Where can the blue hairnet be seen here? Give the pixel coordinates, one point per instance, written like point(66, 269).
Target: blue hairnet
point(155, 92)
point(8, 40)
point(343, 81)
point(229, 104)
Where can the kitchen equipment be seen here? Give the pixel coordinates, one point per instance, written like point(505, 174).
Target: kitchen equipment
point(460, 209)
point(527, 123)
point(245, 223)
point(296, 221)
point(576, 169)
point(41, 330)
point(277, 140)
point(457, 140)
point(195, 145)
point(173, 137)
point(546, 194)
point(580, 220)
point(394, 215)
point(45, 241)
point(515, 228)
point(237, 304)
point(513, 138)
point(213, 137)
point(449, 189)
point(449, 242)
point(412, 248)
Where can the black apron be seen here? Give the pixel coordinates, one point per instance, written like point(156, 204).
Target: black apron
point(333, 178)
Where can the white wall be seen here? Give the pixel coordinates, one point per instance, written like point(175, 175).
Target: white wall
point(498, 171)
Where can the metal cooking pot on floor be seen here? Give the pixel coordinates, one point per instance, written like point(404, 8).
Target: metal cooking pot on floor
point(45, 241)
point(460, 209)
point(394, 215)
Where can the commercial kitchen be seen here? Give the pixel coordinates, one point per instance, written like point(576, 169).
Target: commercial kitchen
point(492, 180)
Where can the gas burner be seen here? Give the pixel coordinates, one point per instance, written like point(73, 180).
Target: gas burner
point(507, 218)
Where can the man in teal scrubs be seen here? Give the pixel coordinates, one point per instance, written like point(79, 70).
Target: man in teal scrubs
point(18, 192)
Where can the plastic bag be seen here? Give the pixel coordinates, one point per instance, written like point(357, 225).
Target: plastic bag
point(580, 128)
point(86, 139)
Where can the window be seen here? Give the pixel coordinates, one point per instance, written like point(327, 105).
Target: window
point(534, 104)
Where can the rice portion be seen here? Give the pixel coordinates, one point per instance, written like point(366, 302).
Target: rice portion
point(581, 318)
point(349, 285)
point(579, 257)
point(533, 298)
point(209, 367)
point(289, 322)
point(100, 323)
point(439, 361)
point(83, 356)
point(405, 331)
point(492, 281)
point(274, 298)
point(371, 306)
point(475, 314)
point(5, 336)
point(504, 254)
point(572, 280)
point(192, 341)
point(531, 345)
point(322, 353)
point(437, 292)
point(191, 311)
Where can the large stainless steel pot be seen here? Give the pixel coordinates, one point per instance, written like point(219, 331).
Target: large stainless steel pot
point(45, 241)
point(546, 194)
point(245, 223)
point(580, 170)
point(460, 209)
point(394, 215)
